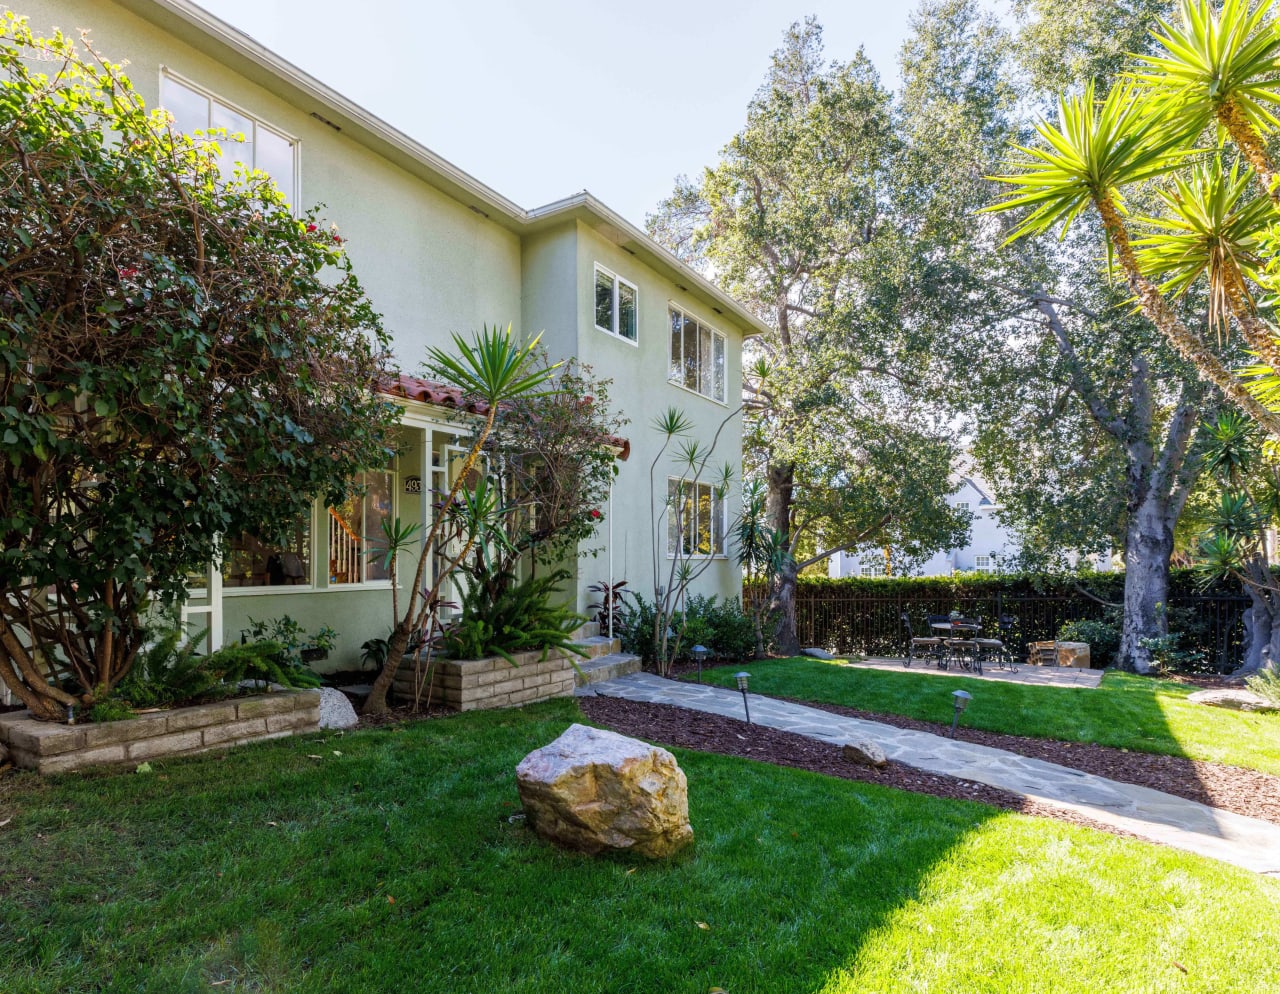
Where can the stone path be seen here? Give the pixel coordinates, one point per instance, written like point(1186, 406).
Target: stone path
point(1043, 676)
point(1150, 814)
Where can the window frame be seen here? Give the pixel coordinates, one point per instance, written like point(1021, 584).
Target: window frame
point(393, 489)
point(685, 314)
point(301, 588)
point(722, 534)
point(616, 304)
point(294, 196)
point(979, 568)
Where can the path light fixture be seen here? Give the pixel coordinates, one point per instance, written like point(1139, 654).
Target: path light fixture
point(960, 700)
point(742, 679)
point(699, 653)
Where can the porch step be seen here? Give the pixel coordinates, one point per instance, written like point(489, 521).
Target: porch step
point(596, 645)
point(607, 667)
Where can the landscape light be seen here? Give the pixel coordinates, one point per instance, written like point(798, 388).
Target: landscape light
point(742, 679)
point(699, 653)
point(960, 699)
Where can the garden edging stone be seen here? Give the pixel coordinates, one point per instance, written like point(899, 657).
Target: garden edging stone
point(48, 747)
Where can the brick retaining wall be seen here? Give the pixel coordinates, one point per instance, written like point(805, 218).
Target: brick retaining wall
point(475, 684)
point(48, 747)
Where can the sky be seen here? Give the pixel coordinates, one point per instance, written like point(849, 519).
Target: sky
point(543, 98)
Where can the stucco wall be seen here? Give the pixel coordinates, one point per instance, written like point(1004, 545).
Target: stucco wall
point(640, 389)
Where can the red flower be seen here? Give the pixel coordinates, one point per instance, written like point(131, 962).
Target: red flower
point(128, 273)
point(595, 512)
point(310, 228)
point(337, 239)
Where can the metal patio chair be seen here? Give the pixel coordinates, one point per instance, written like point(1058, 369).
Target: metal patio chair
point(922, 647)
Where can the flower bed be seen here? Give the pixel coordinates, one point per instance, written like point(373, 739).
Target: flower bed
point(47, 747)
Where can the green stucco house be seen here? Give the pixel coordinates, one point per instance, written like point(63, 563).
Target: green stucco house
point(438, 252)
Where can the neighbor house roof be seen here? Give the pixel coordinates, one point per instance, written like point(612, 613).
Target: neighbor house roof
point(443, 395)
point(256, 62)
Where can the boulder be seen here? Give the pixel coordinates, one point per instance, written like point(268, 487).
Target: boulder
point(817, 653)
point(1237, 700)
point(595, 790)
point(336, 710)
point(865, 753)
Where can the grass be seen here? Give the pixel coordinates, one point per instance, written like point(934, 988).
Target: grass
point(1126, 711)
point(394, 866)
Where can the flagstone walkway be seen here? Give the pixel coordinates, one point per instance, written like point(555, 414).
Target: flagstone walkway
point(1150, 814)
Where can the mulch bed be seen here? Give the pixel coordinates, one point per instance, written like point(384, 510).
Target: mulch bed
point(1231, 788)
point(668, 724)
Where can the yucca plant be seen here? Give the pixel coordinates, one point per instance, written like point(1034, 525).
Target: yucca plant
point(1098, 148)
point(1219, 65)
point(513, 617)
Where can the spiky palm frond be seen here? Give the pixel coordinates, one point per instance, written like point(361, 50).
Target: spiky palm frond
point(1212, 228)
point(1231, 446)
point(1214, 60)
point(1097, 148)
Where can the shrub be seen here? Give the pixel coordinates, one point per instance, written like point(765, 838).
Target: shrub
point(293, 639)
point(509, 618)
point(733, 634)
point(1169, 658)
point(721, 626)
point(1103, 638)
point(110, 709)
point(1266, 685)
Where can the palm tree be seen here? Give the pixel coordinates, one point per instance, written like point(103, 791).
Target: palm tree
point(1096, 150)
point(1221, 66)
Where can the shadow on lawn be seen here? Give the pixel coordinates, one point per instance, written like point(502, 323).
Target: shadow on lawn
point(387, 860)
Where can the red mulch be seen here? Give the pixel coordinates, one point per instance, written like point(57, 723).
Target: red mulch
point(1231, 788)
point(668, 724)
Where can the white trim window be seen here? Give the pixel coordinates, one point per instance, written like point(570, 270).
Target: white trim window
point(695, 519)
point(698, 356)
point(248, 140)
point(249, 562)
point(617, 305)
point(355, 531)
point(982, 564)
point(961, 505)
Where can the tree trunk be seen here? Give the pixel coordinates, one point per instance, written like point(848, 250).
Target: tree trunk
point(1148, 548)
point(396, 647)
point(782, 598)
point(1262, 621)
point(783, 601)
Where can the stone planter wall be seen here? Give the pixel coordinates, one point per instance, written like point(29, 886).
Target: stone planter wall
point(47, 747)
point(475, 684)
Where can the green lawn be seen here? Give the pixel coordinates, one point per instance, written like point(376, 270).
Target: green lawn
point(1126, 711)
point(393, 867)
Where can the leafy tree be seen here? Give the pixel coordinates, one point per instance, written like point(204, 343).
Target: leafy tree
point(793, 220)
point(180, 358)
point(1082, 419)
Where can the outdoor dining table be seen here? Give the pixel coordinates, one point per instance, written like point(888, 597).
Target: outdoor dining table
point(960, 630)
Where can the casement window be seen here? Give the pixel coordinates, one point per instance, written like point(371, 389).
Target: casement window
point(249, 561)
point(698, 356)
point(615, 305)
point(248, 140)
point(982, 564)
point(961, 505)
point(355, 531)
point(695, 519)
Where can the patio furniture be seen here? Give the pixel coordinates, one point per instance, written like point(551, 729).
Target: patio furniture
point(929, 647)
point(963, 647)
point(997, 650)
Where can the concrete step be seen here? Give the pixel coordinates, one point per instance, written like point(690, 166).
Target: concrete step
point(597, 645)
point(606, 667)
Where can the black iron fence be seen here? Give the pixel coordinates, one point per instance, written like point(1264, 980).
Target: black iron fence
point(857, 618)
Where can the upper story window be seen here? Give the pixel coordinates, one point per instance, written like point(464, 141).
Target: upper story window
point(982, 564)
point(695, 518)
point(961, 505)
point(615, 304)
point(698, 357)
point(248, 141)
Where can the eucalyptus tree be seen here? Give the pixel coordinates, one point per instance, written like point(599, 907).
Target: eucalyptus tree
point(796, 220)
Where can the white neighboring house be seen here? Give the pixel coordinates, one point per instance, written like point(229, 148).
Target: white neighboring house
point(990, 541)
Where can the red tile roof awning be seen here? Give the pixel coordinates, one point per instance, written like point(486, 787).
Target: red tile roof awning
point(443, 395)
